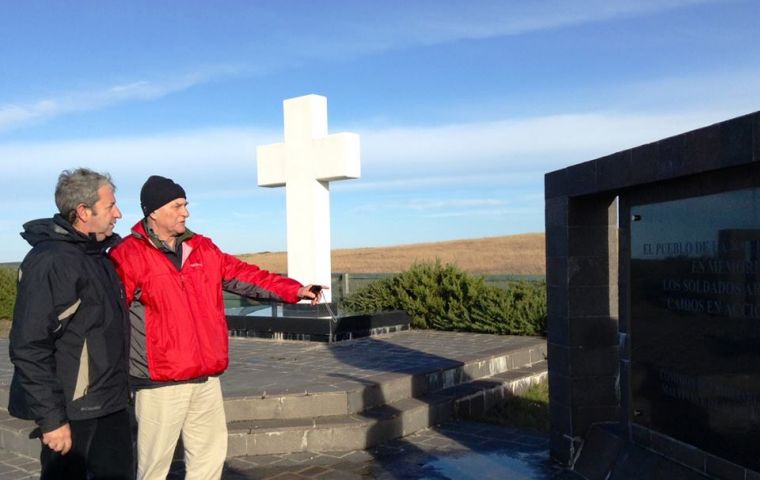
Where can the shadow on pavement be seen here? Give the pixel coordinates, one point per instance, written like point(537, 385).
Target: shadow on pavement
point(454, 450)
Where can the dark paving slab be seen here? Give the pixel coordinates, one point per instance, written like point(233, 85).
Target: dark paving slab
point(17, 467)
point(458, 450)
point(461, 450)
point(265, 367)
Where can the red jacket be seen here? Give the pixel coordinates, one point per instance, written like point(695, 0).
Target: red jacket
point(185, 329)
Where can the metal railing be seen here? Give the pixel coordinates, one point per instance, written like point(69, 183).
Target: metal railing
point(344, 284)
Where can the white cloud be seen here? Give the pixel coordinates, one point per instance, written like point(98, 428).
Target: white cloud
point(222, 161)
point(725, 93)
point(426, 23)
point(497, 18)
point(417, 204)
point(415, 180)
point(197, 152)
point(491, 212)
point(212, 164)
point(511, 155)
point(454, 203)
point(522, 145)
point(351, 35)
point(13, 116)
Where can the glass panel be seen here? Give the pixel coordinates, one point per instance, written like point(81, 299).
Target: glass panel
point(695, 322)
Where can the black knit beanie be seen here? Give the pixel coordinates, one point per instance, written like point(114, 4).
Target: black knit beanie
point(157, 192)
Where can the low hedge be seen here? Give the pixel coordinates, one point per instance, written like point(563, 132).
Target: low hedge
point(442, 297)
point(7, 292)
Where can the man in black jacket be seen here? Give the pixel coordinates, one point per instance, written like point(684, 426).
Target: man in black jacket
point(69, 340)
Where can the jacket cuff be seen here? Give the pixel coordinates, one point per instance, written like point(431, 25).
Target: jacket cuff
point(294, 298)
point(49, 424)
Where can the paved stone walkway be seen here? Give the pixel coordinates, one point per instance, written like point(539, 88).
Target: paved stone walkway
point(265, 367)
point(458, 450)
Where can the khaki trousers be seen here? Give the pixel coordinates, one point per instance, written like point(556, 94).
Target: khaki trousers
point(196, 410)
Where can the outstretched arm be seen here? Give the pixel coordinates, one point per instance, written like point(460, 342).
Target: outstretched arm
point(252, 281)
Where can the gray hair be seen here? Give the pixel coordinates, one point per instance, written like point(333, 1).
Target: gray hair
point(79, 186)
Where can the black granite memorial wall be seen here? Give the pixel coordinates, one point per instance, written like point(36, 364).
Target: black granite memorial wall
point(653, 285)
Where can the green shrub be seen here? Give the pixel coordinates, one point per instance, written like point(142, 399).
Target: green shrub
point(442, 297)
point(529, 410)
point(7, 292)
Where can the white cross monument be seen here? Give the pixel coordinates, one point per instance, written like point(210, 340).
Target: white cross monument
point(305, 164)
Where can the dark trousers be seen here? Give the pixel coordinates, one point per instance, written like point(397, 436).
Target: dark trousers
point(101, 449)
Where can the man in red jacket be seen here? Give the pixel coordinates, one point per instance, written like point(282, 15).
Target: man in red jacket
point(174, 279)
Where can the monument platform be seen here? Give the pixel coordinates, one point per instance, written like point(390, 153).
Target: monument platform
point(289, 397)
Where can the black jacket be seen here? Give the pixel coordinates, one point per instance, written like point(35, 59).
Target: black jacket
point(69, 338)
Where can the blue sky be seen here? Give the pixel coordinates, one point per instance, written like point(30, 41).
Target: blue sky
point(461, 106)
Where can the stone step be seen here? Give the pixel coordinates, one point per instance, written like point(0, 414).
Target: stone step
point(380, 424)
point(339, 432)
point(366, 407)
point(382, 389)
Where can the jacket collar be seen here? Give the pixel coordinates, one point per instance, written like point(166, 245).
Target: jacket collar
point(142, 231)
point(59, 229)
